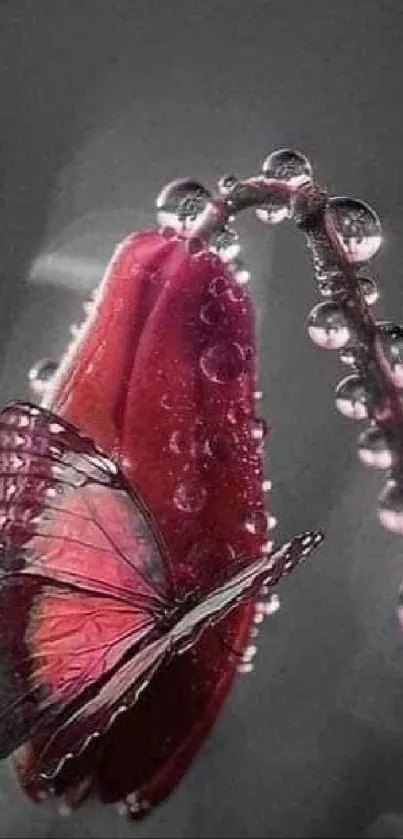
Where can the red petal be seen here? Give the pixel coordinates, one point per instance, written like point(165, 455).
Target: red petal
point(164, 379)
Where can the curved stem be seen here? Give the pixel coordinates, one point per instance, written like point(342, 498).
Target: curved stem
point(309, 206)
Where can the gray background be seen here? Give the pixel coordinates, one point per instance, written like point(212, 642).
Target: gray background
point(102, 103)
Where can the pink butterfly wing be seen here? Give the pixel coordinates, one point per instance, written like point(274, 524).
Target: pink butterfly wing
point(83, 576)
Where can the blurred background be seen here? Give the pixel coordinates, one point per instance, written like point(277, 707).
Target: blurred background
point(101, 103)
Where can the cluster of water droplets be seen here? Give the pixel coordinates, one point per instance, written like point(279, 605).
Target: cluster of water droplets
point(355, 228)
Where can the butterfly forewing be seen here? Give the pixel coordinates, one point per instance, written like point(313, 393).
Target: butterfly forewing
point(83, 571)
point(267, 570)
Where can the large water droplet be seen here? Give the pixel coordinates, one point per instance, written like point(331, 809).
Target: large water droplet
point(190, 496)
point(373, 448)
point(223, 362)
point(351, 398)
point(357, 227)
point(180, 203)
point(226, 243)
point(327, 326)
point(390, 510)
point(392, 341)
point(41, 374)
point(288, 165)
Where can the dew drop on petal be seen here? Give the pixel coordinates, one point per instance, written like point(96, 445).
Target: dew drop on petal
point(257, 522)
point(211, 312)
point(190, 496)
point(223, 362)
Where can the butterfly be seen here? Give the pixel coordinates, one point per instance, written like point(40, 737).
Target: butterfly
point(89, 610)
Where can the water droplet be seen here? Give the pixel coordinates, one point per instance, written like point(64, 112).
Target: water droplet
point(88, 307)
point(390, 509)
point(392, 341)
point(212, 312)
point(167, 401)
point(357, 227)
point(349, 356)
point(180, 203)
point(267, 547)
point(258, 394)
point(190, 496)
point(272, 605)
point(245, 667)
point(373, 448)
point(249, 652)
point(369, 289)
point(274, 211)
point(266, 485)
point(240, 272)
point(226, 243)
point(257, 523)
point(41, 374)
point(223, 362)
point(327, 327)
point(351, 398)
point(288, 165)
point(222, 285)
point(219, 285)
point(227, 183)
point(191, 442)
point(259, 429)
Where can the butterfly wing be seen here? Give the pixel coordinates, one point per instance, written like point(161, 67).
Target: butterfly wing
point(267, 571)
point(83, 579)
point(123, 686)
